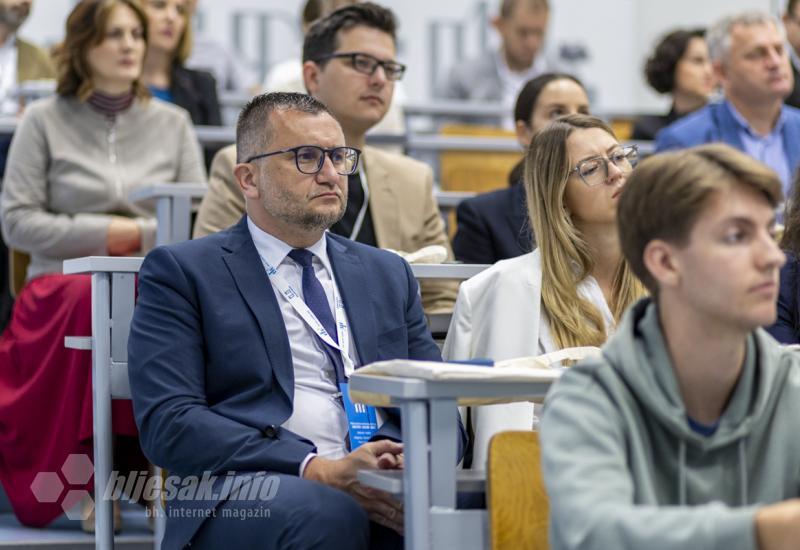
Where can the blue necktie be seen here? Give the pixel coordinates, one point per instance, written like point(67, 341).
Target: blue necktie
point(317, 302)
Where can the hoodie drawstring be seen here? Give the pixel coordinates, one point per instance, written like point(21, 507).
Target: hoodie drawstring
point(743, 471)
point(682, 473)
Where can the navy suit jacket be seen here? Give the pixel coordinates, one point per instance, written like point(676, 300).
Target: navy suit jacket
point(493, 226)
point(209, 358)
point(786, 329)
point(715, 123)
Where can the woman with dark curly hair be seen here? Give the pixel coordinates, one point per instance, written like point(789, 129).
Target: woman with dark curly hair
point(680, 65)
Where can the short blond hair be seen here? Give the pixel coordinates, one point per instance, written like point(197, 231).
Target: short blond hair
point(667, 193)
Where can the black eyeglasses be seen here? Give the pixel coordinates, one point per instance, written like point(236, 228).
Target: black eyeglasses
point(368, 64)
point(310, 158)
point(594, 171)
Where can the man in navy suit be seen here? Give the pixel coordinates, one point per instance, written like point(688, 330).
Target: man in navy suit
point(752, 63)
point(241, 340)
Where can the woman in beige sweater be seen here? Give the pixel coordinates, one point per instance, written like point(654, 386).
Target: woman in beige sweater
point(73, 162)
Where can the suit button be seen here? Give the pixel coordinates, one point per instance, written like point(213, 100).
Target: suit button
point(271, 432)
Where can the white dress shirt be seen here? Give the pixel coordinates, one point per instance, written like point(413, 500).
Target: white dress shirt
point(9, 105)
point(513, 81)
point(317, 413)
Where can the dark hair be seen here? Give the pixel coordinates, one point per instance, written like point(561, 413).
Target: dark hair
point(314, 9)
point(791, 234)
point(527, 98)
point(790, 5)
point(507, 6)
point(667, 193)
point(86, 28)
point(322, 37)
point(659, 70)
point(253, 128)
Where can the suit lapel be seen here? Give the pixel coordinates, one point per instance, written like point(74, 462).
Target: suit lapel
point(729, 128)
point(24, 62)
point(791, 139)
point(518, 218)
point(382, 198)
point(351, 279)
point(244, 263)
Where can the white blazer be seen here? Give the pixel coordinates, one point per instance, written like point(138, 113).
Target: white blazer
point(498, 316)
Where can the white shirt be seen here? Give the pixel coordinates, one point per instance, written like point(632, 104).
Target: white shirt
point(317, 414)
point(9, 104)
point(512, 82)
point(590, 290)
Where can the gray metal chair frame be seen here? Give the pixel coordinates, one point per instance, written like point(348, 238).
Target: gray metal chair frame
point(113, 300)
point(113, 295)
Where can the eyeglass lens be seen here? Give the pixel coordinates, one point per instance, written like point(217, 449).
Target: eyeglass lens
point(368, 65)
point(595, 171)
point(310, 159)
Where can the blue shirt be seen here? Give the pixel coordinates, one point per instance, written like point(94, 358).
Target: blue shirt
point(706, 430)
point(161, 93)
point(768, 149)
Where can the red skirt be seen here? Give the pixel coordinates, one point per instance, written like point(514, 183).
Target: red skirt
point(46, 392)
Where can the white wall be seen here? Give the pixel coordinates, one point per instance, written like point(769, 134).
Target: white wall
point(618, 34)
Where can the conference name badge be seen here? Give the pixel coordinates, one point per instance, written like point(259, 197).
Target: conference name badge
point(362, 419)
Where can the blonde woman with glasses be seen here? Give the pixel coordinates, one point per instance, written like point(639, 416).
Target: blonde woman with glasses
point(573, 288)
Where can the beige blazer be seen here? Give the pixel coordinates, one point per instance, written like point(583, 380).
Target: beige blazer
point(404, 211)
point(33, 63)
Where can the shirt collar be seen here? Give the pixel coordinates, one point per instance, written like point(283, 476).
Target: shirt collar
point(505, 71)
point(745, 126)
point(274, 250)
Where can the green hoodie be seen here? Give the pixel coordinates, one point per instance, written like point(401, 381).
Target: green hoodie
point(624, 470)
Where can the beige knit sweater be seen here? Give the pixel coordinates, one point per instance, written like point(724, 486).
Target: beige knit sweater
point(70, 169)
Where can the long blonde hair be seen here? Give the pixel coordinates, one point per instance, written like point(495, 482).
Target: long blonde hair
point(566, 258)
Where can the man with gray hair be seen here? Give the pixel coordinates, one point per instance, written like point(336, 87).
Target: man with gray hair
point(751, 61)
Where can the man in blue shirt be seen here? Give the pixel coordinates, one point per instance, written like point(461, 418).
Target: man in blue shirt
point(752, 63)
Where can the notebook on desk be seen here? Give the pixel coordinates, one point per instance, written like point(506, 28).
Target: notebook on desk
point(522, 369)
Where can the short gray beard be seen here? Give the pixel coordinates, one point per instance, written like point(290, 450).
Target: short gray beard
point(317, 222)
point(308, 222)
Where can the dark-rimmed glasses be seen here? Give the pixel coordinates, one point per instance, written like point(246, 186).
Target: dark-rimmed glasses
point(594, 171)
point(310, 158)
point(367, 64)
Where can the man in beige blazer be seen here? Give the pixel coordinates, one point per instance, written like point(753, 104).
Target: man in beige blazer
point(349, 64)
point(29, 61)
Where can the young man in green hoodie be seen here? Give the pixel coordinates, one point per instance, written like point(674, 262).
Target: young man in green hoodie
point(684, 434)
